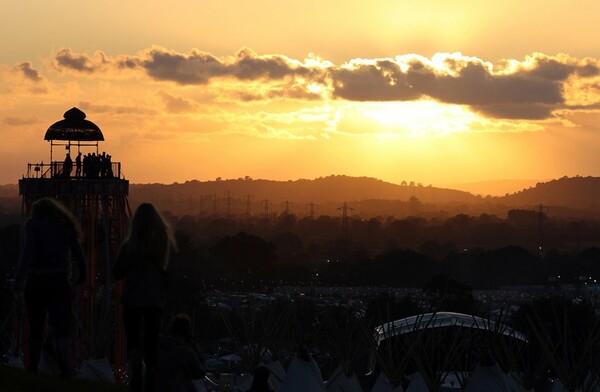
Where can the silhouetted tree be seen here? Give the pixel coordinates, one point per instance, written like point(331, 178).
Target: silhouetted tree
point(447, 294)
point(248, 258)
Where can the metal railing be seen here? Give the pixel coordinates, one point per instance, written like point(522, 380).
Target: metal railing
point(56, 169)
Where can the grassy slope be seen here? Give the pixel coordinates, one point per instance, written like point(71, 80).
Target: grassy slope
point(15, 380)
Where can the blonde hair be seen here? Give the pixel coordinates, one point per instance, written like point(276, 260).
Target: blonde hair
point(57, 212)
point(150, 237)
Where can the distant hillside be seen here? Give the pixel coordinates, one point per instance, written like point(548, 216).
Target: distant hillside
point(493, 187)
point(576, 197)
point(580, 193)
point(324, 189)
point(367, 197)
point(335, 189)
point(9, 190)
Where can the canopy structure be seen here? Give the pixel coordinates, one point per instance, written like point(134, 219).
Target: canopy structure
point(440, 320)
point(74, 127)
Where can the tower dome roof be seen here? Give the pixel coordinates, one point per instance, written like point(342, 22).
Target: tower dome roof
point(74, 127)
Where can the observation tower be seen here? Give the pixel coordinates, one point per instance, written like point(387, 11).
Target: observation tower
point(91, 185)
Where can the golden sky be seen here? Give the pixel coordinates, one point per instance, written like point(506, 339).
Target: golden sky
point(435, 92)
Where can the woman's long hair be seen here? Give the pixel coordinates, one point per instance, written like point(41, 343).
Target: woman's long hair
point(150, 237)
point(57, 212)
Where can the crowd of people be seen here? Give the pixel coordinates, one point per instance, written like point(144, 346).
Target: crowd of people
point(52, 243)
point(91, 165)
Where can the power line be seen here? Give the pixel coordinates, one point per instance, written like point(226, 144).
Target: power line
point(266, 205)
point(345, 210)
point(312, 209)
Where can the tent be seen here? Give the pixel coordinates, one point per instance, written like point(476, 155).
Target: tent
point(417, 384)
point(302, 376)
point(489, 379)
point(341, 382)
point(275, 378)
point(383, 385)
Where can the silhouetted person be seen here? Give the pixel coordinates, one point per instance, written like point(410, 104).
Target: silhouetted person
point(86, 165)
point(94, 166)
point(101, 165)
point(260, 382)
point(67, 166)
point(104, 163)
point(78, 165)
point(109, 170)
point(142, 263)
point(178, 363)
point(51, 234)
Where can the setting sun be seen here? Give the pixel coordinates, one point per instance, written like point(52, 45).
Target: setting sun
point(417, 119)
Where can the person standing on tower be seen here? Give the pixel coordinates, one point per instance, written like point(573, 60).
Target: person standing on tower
point(51, 234)
point(67, 166)
point(142, 264)
point(78, 165)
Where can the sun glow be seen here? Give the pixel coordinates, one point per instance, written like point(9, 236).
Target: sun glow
point(416, 119)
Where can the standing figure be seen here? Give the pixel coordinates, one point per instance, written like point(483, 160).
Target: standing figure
point(178, 363)
point(51, 234)
point(67, 166)
point(109, 170)
point(78, 165)
point(94, 170)
point(142, 264)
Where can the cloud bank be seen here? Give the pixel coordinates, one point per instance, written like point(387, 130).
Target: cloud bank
point(533, 88)
point(29, 73)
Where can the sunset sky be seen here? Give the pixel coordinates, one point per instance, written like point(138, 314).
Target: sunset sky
point(436, 92)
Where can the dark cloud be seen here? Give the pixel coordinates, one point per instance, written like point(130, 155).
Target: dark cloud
point(250, 66)
point(127, 62)
point(551, 69)
point(200, 67)
point(530, 89)
point(18, 121)
point(527, 93)
point(588, 70)
point(379, 81)
point(516, 111)
point(475, 85)
point(195, 68)
point(65, 58)
point(30, 73)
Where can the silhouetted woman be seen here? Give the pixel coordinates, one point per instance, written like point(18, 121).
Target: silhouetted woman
point(142, 263)
point(51, 239)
